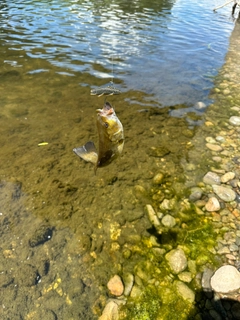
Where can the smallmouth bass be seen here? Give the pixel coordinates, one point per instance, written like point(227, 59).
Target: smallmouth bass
point(111, 139)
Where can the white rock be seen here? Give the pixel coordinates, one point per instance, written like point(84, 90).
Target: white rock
point(168, 221)
point(235, 120)
point(177, 260)
point(212, 204)
point(226, 279)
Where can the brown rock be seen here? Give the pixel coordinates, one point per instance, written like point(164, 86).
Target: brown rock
point(115, 286)
point(212, 204)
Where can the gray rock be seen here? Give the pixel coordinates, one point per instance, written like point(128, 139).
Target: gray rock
point(206, 278)
point(196, 194)
point(226, 279)
point(211, 178)
point(177, 260)
point(226, 194)
point(168, 221)
point(234, 120)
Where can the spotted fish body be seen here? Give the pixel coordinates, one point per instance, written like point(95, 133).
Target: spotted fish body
point(111, 139)
point(108, 91)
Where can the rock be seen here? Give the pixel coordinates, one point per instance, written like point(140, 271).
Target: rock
point(177, 260)
point(234, 120)
point(200, 105)
point(158, 178)
point(41, 235)
point(196, 194)
point(236, 311)
point(226, 279)
point(152, 216)
point(27, 275)
point(214, 147)
point(128, 280)
point(211, 178)
point(110, 311)
point(226, 194)
point(212, 204)
point(115, 286)
point(168, 221)
point(185, 277)
point(185, 292)
point(227, 177)
point(206, 278)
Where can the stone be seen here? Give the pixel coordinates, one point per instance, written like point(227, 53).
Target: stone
point(211, 178)
point(196, 194)
point(128, 279)
point(214, 147)
point(225, 194)
point(185, 292)
point(226, 279)
point(200, 105)
point(234, 120)
point(227, 177)
point(42, 234)
point(152, 216)
point(158, 178)
point(110, 312)
point(177, 260)
point(213, 204)
point(168, 221)
point(115, 286)
point(185, 276)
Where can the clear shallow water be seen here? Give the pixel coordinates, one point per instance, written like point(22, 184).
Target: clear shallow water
point(169, 49)
point(96, 226)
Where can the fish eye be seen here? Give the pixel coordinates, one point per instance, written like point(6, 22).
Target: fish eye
point(106, 124)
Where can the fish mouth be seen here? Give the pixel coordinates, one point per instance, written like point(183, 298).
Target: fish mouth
point(107, 110)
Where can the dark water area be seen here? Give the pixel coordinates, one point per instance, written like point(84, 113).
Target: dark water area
point(65, 231)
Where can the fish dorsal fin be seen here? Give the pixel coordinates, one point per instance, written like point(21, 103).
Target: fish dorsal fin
point(88, 152)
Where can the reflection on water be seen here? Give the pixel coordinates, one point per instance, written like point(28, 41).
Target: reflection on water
point(170, 50)
point(65, 231)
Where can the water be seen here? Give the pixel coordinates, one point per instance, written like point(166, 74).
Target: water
point(65, 231)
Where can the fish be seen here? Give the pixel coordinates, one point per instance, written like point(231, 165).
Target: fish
point(108, 91)
point(111, 139)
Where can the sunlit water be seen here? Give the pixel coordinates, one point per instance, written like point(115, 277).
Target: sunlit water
point(52, 53)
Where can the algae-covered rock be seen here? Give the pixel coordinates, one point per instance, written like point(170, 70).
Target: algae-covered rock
point(177, 260)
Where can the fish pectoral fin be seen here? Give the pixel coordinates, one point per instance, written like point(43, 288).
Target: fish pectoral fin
point(88, 152)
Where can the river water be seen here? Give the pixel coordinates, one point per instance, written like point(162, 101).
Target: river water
point(65, 231)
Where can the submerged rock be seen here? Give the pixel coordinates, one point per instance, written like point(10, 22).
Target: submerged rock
point(177, 260)
point(226, 194)
point(235, 120)
point(211, 178)
point(110, 311)
point(115, 286)
point(212, 204)
point(41, 235)
point(184, 291)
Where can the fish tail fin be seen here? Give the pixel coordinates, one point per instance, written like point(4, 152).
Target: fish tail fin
point(88, 152)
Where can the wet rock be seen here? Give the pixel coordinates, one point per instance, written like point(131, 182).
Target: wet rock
point(128, 280)
point(152, 216)
point(214, 147)
point(184, 291)
point(200, 105)
point(206, 278)
point(158, 178)
point(196, 194)
point(212, 204)
point(234, 120)
point(110, 311)
point(211, 178)
point(177, 260)
point(226, 194)
point(168, 221)
point(41, 235)
point(226, 279)
point(115, 286)
point(27, 275)
point(185, 277)
point(227, 177)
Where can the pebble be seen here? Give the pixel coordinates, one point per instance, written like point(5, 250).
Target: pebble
point(110, 312)
point(211, 178)
point(226, 194)
point(185, 291)
point(226, 279)
point(168, 221)
point(177, 260)
point(158, 178)
point(235, 120)
point(212, 204)
point(214, 147)
point(115, 286)
point(227, 177)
